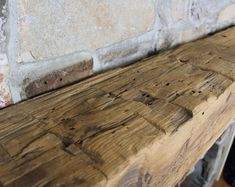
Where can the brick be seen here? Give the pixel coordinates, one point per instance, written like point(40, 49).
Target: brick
point(58, 78)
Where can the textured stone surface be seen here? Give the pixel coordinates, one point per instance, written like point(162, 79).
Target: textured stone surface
point(2, 3)
point(185, 20)
point(5, 96)
point(2, 33)
point(54, 28)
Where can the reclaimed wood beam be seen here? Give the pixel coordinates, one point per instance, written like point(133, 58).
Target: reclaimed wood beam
point(142, 125)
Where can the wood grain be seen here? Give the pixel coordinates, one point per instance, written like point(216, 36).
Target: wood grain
point(142, 125)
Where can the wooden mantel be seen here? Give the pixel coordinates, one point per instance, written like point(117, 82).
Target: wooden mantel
point(142, 125)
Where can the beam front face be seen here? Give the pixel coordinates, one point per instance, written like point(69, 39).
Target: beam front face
point(143, 125)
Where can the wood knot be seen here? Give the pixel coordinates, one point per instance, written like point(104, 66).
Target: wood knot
point(67, 142)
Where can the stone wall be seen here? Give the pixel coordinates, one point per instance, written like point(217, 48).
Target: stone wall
point(48, 44)
point(5, 96)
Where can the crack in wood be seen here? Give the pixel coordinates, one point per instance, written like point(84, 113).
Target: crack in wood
point(154, 124)
point(28, 144)
point(106, 130)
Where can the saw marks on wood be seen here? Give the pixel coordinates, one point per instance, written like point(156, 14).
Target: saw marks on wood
point(142, 125)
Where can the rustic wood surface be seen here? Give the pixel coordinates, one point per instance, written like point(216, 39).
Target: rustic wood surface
point(142, 125)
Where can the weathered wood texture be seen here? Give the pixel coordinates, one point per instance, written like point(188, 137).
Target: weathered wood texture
point(143, 125)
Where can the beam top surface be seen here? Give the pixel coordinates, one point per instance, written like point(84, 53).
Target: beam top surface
point(105, 131)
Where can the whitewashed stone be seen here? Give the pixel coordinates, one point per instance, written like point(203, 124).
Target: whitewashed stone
point(54, 28)
point(5, 96)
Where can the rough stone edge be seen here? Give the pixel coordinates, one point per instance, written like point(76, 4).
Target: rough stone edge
point(5, 95)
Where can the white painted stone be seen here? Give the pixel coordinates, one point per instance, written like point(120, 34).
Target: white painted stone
point(124, 52)
point(55, 28)
point(2, 36)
